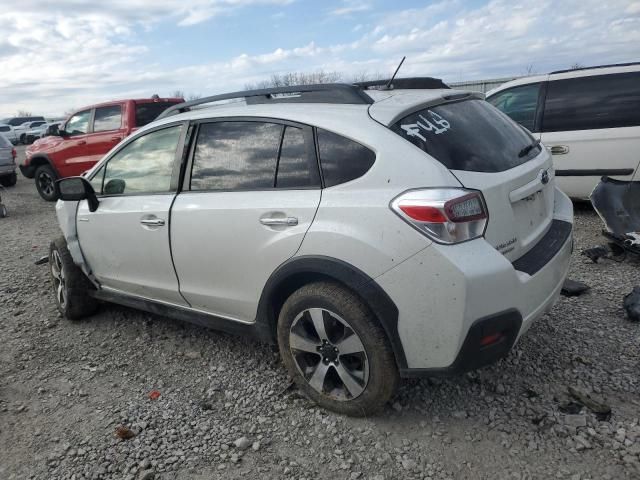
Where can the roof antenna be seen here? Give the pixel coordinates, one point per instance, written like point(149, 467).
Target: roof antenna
point(390, 82)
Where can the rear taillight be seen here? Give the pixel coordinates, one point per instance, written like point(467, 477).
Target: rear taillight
point(447, 215)
point(14, 154)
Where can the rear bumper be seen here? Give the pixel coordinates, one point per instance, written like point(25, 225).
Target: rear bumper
point(28, 171)
point(449, 297)
point(7, 169)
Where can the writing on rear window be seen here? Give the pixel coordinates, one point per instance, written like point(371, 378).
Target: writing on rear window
point(434, 123)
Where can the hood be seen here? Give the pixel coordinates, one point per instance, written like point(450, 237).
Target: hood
point(43, 145)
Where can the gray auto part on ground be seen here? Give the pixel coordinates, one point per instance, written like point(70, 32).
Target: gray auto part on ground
point(618, 205)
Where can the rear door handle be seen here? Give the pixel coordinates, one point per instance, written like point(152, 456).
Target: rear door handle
point(152, 222)
point(116, 139)
point(559, 150)
point(287, 221)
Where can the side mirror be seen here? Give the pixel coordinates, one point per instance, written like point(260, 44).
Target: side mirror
point(52, 130)
point(114, 186)
point(74, 189)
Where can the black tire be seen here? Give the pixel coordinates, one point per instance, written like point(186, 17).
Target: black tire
point(71, 287)
point(45, 179)
point(9, 180)
point(349, 314)
point(23, 139)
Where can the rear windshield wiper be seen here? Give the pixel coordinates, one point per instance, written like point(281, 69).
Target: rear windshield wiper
point(528, 148)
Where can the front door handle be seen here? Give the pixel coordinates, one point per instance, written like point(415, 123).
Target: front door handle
point(287, 221)
point(116, 139)
point(81, 142)
point(152, 222)
point(559, 150)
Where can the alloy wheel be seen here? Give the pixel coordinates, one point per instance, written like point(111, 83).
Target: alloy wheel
point(59, 282)
point(329, 354)
point(46, 184)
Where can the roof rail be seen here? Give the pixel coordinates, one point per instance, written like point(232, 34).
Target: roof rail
point(418, 83)
point(324, 93)
point(597, 66)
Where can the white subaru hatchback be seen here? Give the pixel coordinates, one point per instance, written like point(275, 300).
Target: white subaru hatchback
point(372, 232)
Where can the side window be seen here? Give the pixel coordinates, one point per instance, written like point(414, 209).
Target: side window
point(341, 159)
point(297, 168)
point(107, 118)
point(96, 180)
point(5, 129)
point(236, 156)
point(78, 124)
point(587, 103)
point(144, 165)
point(520, 103)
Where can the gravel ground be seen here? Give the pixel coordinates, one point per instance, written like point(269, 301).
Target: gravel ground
point(226, 409)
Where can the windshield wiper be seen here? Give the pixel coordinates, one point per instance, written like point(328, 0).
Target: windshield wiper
point(528, 148)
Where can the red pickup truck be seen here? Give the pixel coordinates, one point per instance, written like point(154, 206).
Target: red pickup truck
point(85, 137)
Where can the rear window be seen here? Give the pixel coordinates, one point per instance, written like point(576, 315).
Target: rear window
point(148, 112)
point(587, 103)
point(469, 135)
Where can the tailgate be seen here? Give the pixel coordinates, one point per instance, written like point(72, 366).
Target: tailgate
point(519, 201)
point(490, 153)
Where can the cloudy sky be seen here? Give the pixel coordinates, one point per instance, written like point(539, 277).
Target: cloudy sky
point(57, 55)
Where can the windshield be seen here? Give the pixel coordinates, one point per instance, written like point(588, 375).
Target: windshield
point(469, 135)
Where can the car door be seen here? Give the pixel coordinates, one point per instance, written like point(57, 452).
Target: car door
point(107, 131)
point(126, 240)
point(73, 151)
point(591, 125)
point(250, 194)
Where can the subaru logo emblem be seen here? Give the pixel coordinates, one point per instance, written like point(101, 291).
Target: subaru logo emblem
point(545, 177)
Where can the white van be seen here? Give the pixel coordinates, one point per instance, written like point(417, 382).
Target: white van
point(589, 119)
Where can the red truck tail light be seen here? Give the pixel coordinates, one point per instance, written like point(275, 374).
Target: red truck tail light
point(14, 154)
point(446, 215)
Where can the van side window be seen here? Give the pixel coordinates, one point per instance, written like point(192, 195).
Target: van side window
point(341, 159)
point(594, 102)
point(520, 103)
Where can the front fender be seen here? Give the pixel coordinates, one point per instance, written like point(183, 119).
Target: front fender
point(66, 213)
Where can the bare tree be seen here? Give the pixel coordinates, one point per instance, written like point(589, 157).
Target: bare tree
point(529, 70)
point(296, 78)
point(576, 66)
point(178, 94)
point(24, 113)
point(192, 96)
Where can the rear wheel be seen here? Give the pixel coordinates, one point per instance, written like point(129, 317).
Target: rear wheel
point(335, 350)
point(23, 139)
point(45, 182)
point(9, 180)
point(71, 287)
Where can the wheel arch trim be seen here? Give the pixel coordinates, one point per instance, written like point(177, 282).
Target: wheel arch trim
point(296, 268)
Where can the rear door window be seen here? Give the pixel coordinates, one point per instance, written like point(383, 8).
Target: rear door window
point(107, 118)
point(236, 156)
point(148, 112)
point(468, 135)
point(341, 159)
point(297, 165)
point(520, 103)
point(594, 102)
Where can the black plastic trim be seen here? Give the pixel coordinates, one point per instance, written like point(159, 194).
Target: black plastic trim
point(595, 172)
point(29, 171)
point(253, 330)
point(356, 280)
point(547, 248)
point(472, 354)
point(412, 83)
point(597, 66)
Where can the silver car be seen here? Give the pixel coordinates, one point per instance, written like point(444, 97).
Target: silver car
point(8, 175)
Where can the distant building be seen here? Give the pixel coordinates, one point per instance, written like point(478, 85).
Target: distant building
point(481, 85)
